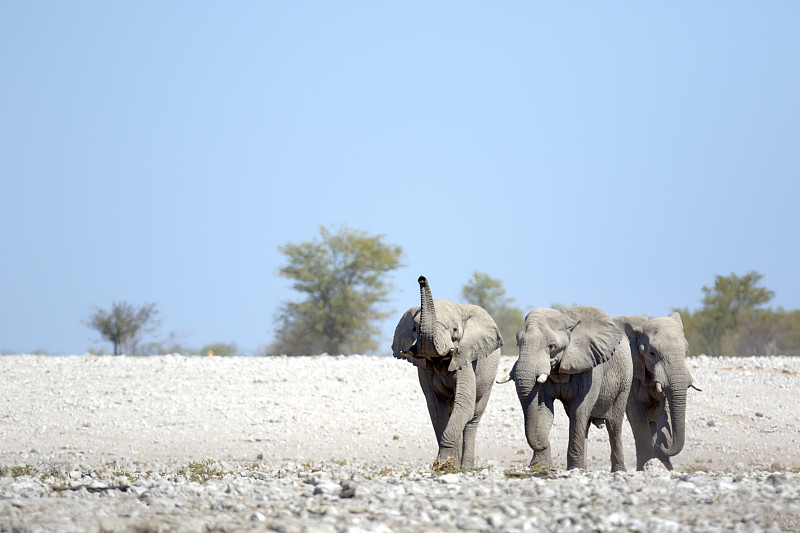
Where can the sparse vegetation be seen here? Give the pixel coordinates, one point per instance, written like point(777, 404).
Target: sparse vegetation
point(205, 470)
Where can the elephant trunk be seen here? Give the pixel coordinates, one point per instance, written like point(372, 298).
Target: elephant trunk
point(676, 398)
point(431, 343)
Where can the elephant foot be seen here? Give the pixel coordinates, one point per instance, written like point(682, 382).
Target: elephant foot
point(540, 460)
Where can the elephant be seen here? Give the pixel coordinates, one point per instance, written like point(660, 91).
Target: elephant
point(580, 357)
point(657, 402)
point(456, 349)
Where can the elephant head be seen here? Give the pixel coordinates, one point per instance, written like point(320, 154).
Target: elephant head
point(554, 344)
point(659, 349)
point(447, 334)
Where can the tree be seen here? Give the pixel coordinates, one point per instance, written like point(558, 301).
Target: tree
point(732, 301)
point(123, 324)
point(343, 277)
point(734, 321)
point(489, 293)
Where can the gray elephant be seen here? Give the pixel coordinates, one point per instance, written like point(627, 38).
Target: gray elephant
point(580, 357)
point(657, 403)
point(456, 349)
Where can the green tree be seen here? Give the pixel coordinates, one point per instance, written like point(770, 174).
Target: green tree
point(489, 293)
point(343, 277)
point(124, 324)
point(697, 342)
point(730, 302)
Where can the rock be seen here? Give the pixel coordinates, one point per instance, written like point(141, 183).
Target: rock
point(328, 488)
point(348, 490)
point(450, 478)
point(654, 468)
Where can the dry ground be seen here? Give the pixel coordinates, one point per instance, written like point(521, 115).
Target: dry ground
point(87, 411)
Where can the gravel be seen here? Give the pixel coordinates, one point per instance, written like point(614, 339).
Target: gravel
point(344, 444)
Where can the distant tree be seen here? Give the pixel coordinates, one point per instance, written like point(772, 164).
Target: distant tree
point(343, 277)
point(733, 320)
point(697, 342)
point(489, 293)
point(788, 335)
point(731, 301)
point(123, 324)
point(220, 348)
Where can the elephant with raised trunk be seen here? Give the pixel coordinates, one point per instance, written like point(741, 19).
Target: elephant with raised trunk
point(456, 349)
point(579, 356)
point(657, 403)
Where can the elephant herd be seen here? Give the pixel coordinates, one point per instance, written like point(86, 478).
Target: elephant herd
point(600, 369)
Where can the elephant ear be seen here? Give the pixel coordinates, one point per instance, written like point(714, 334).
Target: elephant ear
point(480, 339)
point(632, 327)
point(593, 339)
point(405, 334)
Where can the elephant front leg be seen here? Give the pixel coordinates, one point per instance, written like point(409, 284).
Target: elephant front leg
point(576, 448)
point(614, 426)
point(638, 419)
point(451, 444)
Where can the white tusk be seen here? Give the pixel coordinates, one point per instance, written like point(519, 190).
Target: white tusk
point(505, 379)
point(695, 387)
point(542, 378)
point(659, 389)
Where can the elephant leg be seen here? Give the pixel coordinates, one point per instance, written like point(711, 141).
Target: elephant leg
point(614, 425)
point(470, 430)
point(579, 421)
point(642, 432)
point(451, 445)
point(485, 374)
point(437, 406)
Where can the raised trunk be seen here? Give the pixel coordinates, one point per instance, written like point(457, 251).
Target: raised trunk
point(430, 342)
point(676, 397)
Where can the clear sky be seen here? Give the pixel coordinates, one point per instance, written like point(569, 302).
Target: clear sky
point(617, 154)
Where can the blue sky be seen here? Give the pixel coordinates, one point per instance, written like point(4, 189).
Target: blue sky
point(611, 154)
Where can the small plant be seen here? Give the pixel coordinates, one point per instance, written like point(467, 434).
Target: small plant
point(17, 471)
point(204, 471)
point(448, 466)
point(692, 469)
point(122, 473)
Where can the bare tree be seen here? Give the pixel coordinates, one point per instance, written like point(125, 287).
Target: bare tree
point(123, 324)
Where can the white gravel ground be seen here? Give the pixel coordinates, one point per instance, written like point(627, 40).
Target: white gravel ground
point(177, 443)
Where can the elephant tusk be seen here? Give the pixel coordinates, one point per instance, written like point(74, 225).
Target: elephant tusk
point(542, 378)
point(695, 387)
point(505, 379)
point(659, 388)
